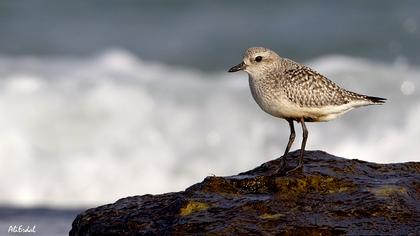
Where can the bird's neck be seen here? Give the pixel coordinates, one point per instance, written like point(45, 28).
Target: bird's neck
point(287, 64)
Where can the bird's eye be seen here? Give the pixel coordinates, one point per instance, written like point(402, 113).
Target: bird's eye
point(258, 58)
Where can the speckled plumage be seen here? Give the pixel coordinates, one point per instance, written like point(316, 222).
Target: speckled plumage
point(308, 88)
point(289, 90)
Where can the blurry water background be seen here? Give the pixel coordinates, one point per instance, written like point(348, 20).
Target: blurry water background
point(105, 99)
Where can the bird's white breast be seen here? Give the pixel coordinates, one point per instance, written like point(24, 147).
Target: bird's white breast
point(268, 99)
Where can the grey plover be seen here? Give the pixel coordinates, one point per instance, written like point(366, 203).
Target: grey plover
point(286, 89)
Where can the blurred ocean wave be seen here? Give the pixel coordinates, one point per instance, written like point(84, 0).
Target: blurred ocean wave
point(86, 130)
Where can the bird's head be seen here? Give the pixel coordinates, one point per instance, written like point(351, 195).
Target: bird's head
point(257, 60)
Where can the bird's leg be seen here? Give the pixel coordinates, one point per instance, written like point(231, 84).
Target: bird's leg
point(305, 137)
point(302, 149)
point(291, 138)
point(289, 145)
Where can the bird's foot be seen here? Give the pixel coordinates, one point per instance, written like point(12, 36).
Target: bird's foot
point(297, 168)
point(281, 170)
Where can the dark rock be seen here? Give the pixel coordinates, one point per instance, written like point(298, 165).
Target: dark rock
point(331, 196)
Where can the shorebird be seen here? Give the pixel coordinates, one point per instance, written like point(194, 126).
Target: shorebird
point(286, 89)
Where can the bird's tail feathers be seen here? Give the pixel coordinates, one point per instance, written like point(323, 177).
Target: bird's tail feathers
point(376, 100)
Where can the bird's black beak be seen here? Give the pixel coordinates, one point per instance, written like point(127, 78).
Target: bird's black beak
point(237, 67)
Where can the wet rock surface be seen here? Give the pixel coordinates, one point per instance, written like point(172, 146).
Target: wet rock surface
point(332, 196)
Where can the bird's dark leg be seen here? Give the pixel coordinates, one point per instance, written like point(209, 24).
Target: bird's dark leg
point(291, 137)
point(305, 137)
point(302, 149)
point(289, 145)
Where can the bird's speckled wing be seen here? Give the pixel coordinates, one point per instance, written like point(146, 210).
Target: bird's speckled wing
point(308, 88)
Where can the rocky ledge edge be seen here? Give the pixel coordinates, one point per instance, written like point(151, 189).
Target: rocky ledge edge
point(332, 196)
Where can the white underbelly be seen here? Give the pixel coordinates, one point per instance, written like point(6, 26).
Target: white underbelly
point(278, 105)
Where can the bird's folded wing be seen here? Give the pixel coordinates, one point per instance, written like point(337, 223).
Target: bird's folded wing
point(308, 88)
